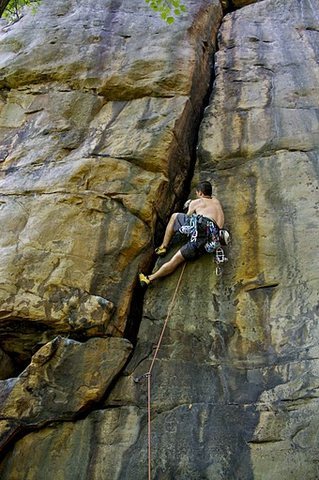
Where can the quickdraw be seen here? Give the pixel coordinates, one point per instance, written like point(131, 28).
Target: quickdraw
point(220, 258)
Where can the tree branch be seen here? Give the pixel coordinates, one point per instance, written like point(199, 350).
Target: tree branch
point(3, 4)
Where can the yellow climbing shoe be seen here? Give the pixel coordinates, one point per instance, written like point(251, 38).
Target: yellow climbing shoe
point(160, 251)
point(144, 280)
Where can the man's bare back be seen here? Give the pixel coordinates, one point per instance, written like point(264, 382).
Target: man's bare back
point(208, 207)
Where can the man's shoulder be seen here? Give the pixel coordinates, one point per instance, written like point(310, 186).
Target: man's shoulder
point(193, 204)
point(215, 200)
point(192, 207)
point(196, 201)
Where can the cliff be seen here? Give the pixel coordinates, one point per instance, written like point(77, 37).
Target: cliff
point(107, 118)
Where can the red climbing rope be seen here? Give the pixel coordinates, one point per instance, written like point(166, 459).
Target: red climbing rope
point(149, 373)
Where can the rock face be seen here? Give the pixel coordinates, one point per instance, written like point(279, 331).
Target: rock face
point(232, 4)
point(62, 380)
point(99, 108)
point(6, 366)
point(242, 3)
point(234, 389)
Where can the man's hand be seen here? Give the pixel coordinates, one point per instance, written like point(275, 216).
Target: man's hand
point(186, 204)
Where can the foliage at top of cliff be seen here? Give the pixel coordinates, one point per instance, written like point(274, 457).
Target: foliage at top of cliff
point(167, 8)
point(12, 10)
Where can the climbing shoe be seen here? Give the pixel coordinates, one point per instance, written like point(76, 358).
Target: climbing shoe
point(160, 251)
point(144, 280)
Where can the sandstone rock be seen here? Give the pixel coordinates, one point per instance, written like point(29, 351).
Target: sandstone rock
point(98, 106)
point(67, 310)
point(128, 458)
point(243, 3)
point(117, 61)
point(230, 5)
point(120, 449)
point(248, 339)
point(269, 104)
point(268, 163)
point(112, 432)
point(235, 386)
point(7, 368)
point(286, 441)
point(259, 141)
point(63, 379)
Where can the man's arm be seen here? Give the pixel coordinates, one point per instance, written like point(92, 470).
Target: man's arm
point(192, 207)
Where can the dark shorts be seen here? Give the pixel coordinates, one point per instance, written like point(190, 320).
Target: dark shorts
point(191, 250)
point(181, 220)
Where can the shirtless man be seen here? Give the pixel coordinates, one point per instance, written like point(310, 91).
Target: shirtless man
point(207, 209)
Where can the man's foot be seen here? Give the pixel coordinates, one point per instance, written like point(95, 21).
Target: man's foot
point(144, 280)
point(161, 251)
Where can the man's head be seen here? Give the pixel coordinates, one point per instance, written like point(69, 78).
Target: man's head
point(205, 188)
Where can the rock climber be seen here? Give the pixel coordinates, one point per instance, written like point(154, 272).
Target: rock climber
point(202, 222)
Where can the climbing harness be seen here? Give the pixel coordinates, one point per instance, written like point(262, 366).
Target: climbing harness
point(148, 374)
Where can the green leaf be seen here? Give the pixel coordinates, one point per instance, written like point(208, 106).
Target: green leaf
point(13, 10)
point(166, 8)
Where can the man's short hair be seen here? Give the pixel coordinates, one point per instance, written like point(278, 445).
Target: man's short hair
point(205, 187)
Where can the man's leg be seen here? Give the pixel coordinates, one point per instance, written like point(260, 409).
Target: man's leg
point(169, 232)
point(168, 267)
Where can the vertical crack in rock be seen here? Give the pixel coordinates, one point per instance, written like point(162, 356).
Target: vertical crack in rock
point(70, 269)
point(136, 310)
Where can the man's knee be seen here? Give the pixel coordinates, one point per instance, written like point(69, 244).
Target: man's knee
point(173, 217)
point(174, 221)
point(178, 258)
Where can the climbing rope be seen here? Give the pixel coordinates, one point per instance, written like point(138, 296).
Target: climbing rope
point(148, 375)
